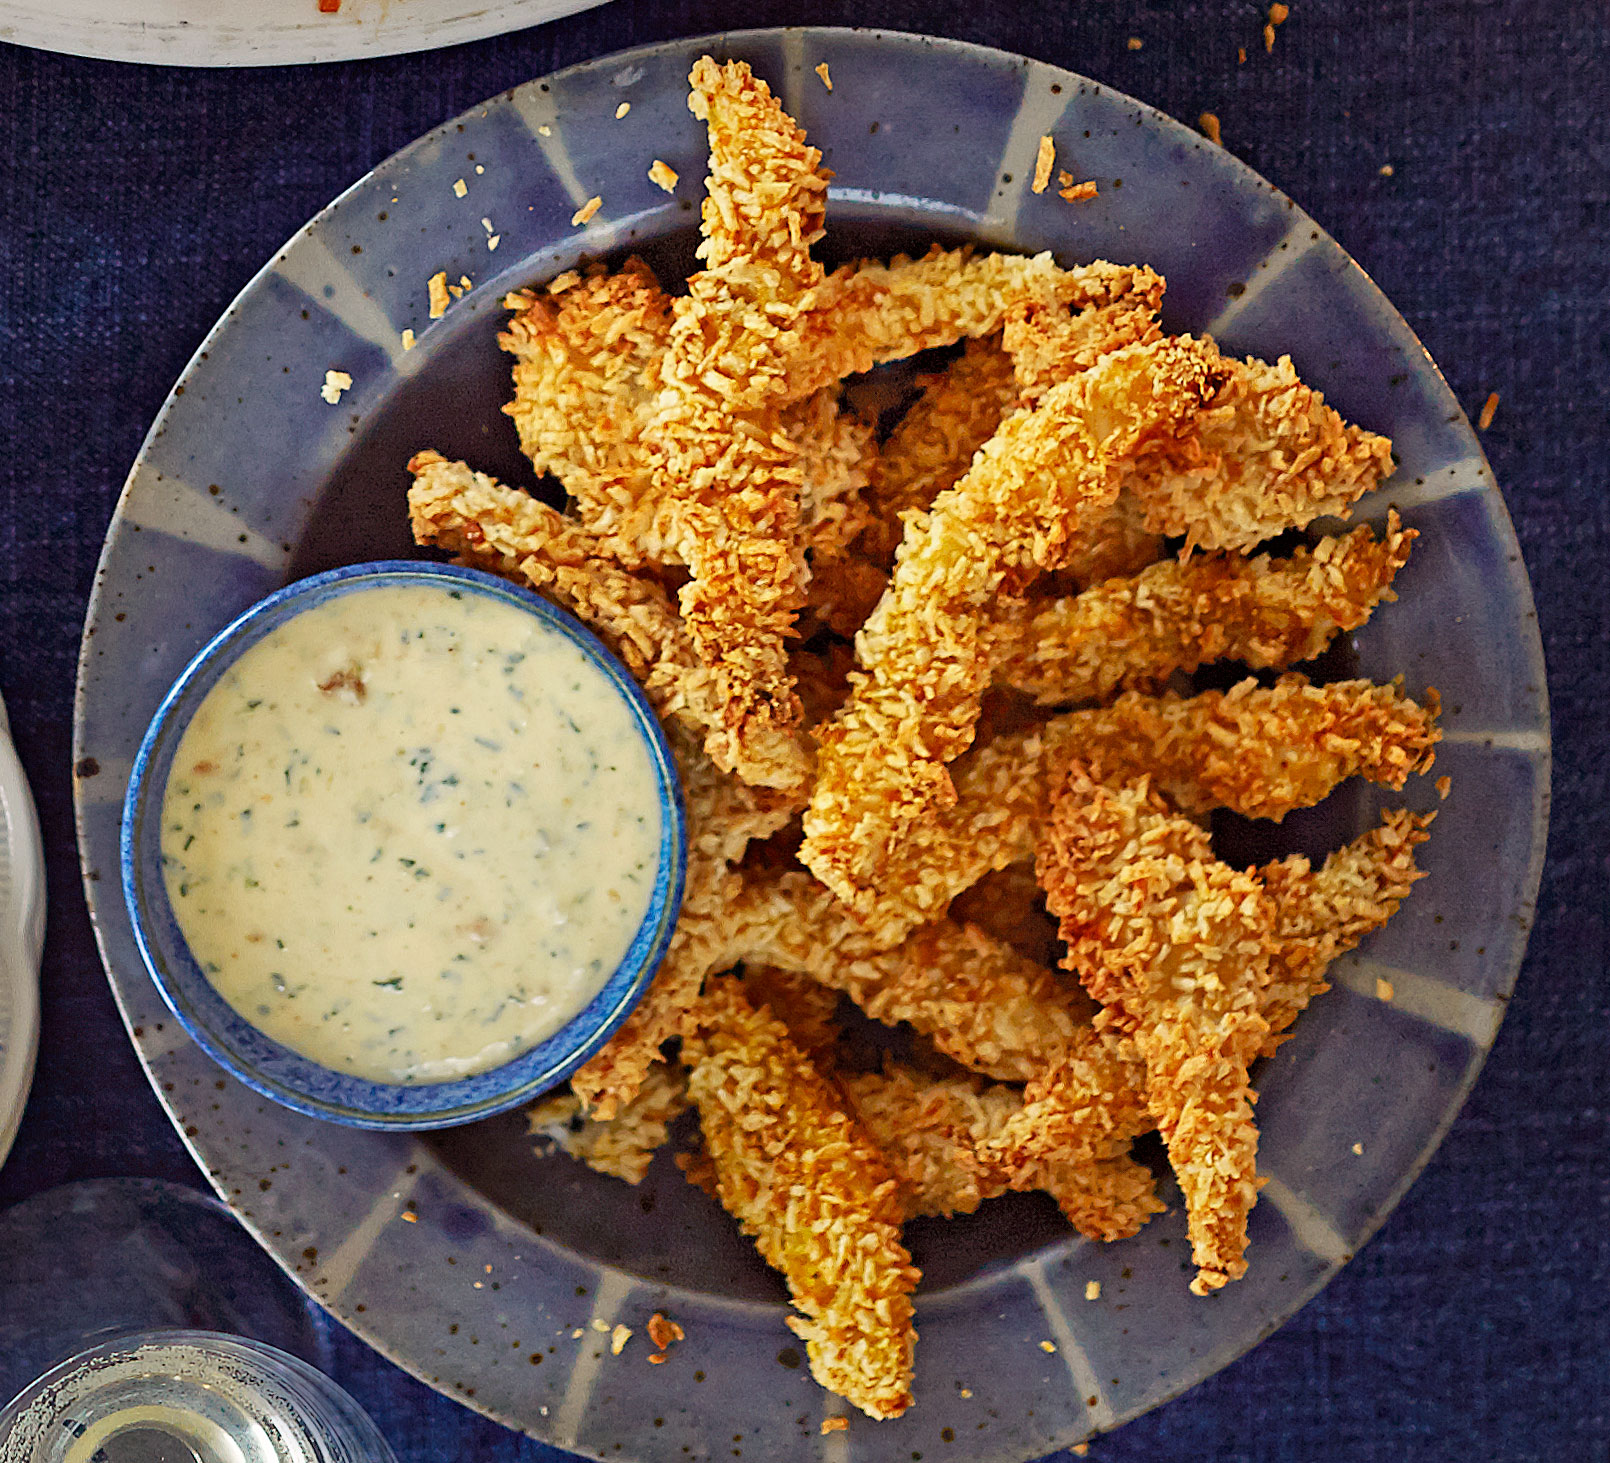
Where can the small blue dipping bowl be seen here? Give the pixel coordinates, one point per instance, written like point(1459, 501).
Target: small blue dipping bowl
point(275, 1070)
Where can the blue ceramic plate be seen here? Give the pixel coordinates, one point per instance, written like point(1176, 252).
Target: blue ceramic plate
point(926, 138)
point(285, 1075)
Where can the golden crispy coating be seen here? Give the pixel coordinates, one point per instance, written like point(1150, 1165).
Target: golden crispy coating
point(937, 1133)
point(1258, 751)
point(961, 407)
point(766, 193)
point(867, 314)
point(1048, 342)
point(982, 1003)
point(588, 352)
point(589, 358)
point(507, 532)
point(723, 816)
point(1322, 913)
point(1177, 615)
point(913, 706)
point(1178, 947)
point(802, 1176)
point(728, 475)
point(1270, 456)
point(932, 445)
point(624, 1145)
point(837, 454)
point(1262, 751)
point(1114, 544)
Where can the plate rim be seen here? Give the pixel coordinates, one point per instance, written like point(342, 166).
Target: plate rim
point(732, 42)
point(22, 935)
point(198, 39)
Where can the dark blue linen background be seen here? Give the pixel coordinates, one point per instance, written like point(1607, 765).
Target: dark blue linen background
point(137, 201)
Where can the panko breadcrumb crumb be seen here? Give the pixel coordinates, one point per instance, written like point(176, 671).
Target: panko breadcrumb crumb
point(586, 211)
point(1489, 409)
point(1044, 160)
point(436, 286)
point(826, 75)
point(335, 382)
point(1209, 123)
point(663, 176)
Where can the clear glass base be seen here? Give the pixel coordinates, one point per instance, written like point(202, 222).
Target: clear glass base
point(187, 1397)
point(102, 1258)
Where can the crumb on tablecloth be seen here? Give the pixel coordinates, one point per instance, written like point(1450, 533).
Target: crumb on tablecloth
point(1209, 123)
point(1443, 784)
point(1135, 43)
point(1489, 409)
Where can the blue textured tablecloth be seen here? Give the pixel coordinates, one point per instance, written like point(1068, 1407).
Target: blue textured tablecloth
point(137, 201)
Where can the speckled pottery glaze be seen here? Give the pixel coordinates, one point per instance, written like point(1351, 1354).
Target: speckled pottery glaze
point(287, 1076)
point(926, 138)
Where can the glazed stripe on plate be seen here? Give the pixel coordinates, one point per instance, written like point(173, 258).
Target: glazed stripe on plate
point(1435, 1002)
point(179, 510)
point(1099, 1413)
point(536, 109)
point(337, 1271)
point(1298, 244)
point(611, 1294)
point(1531, 741)
point(1312, 1230)
point(1037, 116)
point(313, 268)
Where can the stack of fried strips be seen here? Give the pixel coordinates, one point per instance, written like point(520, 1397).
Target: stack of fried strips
point(1013, 722)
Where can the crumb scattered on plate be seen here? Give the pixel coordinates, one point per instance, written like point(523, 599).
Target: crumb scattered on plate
point(1044, 161)
point(663, 175)
point(460, 187)
point(1092, 1290)
point(1383, 989)
point(827, 79)
point(622, 110)
point(1049, 1347)
point(437, 285)
point(335, 382)
point(586, 211)
point(1077, 192)
point(408, 340)
point(834, 1425)
point(618, 1339)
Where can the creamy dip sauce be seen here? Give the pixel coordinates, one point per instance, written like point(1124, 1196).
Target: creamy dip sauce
point(411, 833)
